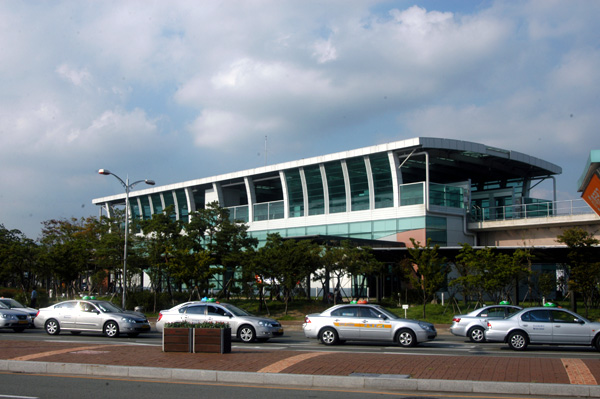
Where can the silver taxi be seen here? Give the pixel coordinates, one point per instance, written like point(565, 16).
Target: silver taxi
point(544, 325)
point(473, 324)
point(91, 315)
point(13, 319)
point(365, 322)
point(245, 326)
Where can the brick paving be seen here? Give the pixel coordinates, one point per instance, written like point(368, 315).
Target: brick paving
point(466, 368)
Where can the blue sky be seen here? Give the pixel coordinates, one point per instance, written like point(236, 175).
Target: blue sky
point(179, 90)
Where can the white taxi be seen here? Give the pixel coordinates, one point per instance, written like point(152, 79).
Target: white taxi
point(544, 325)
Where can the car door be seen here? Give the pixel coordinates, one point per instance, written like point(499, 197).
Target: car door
point(66, 314)
point(195, 314)
point(88, 316)
point(538, 325)
point(347, 322)
point(216, 313)
point(374, 325)
point(567, 328)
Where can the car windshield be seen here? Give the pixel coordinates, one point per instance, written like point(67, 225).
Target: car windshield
point(3, 306)
point(235, 310)
point(108, 307)
point(12, 303)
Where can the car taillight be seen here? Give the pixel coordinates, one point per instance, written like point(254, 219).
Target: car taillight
point(37, 314)
point(489, 325)
point(159, 316)
point(306, 320)
point(456, 319)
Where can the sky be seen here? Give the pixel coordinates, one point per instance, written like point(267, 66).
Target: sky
point(179, 90)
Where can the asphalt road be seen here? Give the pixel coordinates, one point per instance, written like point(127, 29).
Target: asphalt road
point(31, 386)
point(444, 344)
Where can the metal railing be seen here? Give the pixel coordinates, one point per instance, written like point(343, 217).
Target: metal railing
point(529, 211)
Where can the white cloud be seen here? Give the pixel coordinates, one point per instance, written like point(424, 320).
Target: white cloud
point(183, 89)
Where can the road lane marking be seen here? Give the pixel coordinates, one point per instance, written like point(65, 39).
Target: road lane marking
point(57, 352)
point(578, 372)
point(277, 367)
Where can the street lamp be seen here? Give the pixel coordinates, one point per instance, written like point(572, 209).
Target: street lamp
point(127, 187)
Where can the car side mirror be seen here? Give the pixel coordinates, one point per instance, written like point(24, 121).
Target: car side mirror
point(579, 321)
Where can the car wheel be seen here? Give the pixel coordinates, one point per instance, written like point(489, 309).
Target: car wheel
point(247, 334)
point(329, 336)
point(518, 341)
point(597, 343)
point(111, 329)
point(476, 335)
point(406, 338)
point(19, 329)
point(52, 327)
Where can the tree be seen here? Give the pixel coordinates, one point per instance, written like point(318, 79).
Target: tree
point(287, 262)
point(66, 253)
point(487, 273)
point(583, 268)
point(160, 236)
point(225, 240)
point(426, 269)
point(18, 258)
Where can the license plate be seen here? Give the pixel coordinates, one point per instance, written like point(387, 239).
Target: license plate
point(280, 330)
point(23, 322)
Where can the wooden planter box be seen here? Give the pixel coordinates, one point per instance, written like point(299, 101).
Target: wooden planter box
point(195, 340)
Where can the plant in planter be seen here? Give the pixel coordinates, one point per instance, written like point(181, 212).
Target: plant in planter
point(213, 337)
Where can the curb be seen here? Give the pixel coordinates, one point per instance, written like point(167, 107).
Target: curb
point(376, 382)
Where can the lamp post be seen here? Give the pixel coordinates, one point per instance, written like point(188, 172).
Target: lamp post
point(127, 187)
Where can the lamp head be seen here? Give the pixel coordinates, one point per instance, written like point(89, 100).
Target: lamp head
point(150, 182)
point(104, 172)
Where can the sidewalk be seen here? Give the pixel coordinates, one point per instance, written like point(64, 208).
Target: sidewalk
point(389, 372)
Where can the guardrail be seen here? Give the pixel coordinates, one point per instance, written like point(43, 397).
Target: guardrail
point(529, 211)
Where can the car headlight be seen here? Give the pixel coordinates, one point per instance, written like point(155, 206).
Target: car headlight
point(9, 316)
point(128, 320)
point(425, 326)
point(265, 324)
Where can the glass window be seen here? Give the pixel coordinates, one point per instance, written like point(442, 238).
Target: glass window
point(146, 210)
point(182, 205)
point(536, 316)
point(337, 229)
point(314, 189)
point(382, 181)
point(295, 194)
point(563, 317)
point(359, 184)
point(199, 197)
point(195, 309)
point(349, 311)
point(336, 187)
point(268, 189)
point(157, 203)
point(411, 194)
point(170, 201)
point(66, 305)
point(261, 212)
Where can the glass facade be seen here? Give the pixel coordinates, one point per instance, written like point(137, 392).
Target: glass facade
point(182, 205)
point(382, 181)
point(156, 203)
point(295, 193)
point(314, 190)
point(146, 210)
point(170, 201)
point(336, 187)
point(359, 184)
